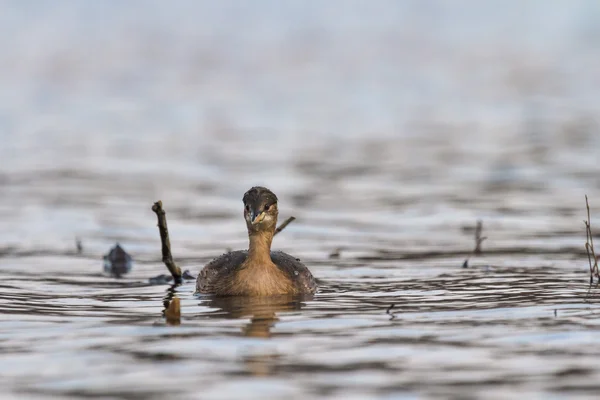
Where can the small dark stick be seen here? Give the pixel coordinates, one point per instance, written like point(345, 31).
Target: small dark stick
point(335, 254)
point(79, 245)
point(167, 257)
point(284, 224)
point(389, 311)
point(589, 245)
point(478, 238)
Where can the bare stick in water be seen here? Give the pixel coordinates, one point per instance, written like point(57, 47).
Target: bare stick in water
point(167, 257)
point(79, 245)
point(284, 224)
point(589, 245)
point(389, 311)
point(478, 238)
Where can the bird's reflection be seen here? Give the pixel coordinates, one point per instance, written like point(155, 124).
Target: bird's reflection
point(263, 313)
point(261, 310)
point(263, 316)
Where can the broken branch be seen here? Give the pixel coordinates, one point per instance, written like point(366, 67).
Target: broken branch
point(478, 238)
point(589, 245)
point(167, 257)
point(284, 224)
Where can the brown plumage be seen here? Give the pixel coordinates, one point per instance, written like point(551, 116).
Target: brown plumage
point(257, 271)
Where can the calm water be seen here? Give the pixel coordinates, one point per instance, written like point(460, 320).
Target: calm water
point(387, 130)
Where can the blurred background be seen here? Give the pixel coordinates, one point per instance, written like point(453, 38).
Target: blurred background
point(387, 128)
point(375, 111)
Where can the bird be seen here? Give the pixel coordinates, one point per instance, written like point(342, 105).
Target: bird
point(257, 271)
point(117, 262)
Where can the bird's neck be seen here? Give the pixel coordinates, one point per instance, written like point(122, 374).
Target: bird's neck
point(259, 250)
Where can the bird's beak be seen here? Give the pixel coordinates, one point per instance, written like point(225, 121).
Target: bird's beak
point(256, 218)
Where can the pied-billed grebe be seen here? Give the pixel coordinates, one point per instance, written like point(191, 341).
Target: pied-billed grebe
point(257, 271)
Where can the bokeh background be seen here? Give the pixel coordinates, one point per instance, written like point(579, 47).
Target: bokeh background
point(388, 128)
point(364, 108)
point(367, 109)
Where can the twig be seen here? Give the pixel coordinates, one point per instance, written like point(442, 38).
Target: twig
point(589, 245)
point(389, 311)
point(284, 224)
point(335, 254)
point(167, 257)
point(478, 238)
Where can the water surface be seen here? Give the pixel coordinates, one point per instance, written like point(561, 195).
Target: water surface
point(387, 130)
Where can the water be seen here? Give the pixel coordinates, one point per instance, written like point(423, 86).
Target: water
point(386, 130)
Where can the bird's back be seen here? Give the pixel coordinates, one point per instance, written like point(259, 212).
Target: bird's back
point(219, 274)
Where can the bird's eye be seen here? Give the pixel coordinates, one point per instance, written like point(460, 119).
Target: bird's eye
point(268, 207)
point(247, 208)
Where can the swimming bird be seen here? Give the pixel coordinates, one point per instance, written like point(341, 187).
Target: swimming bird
point(117, 262)
point(257, 271)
